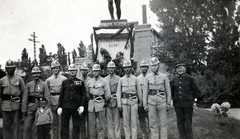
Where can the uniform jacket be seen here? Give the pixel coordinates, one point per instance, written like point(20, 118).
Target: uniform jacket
point(98, 87)
point(85, 80)
point(128, 85)
point(184, 91)
point(34, 89)
point(113, 83)
point(11, 86)
point(141, 82)
point(44, 117)
point(158, 82)
point(54, 83)
point(72, 94)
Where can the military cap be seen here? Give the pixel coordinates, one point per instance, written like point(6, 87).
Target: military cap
point(36, 70)
point(154, 61)
point(111, 64)
point(96, 67)
point(126, 64)
point(143, 64)
point(72, 67)
point(180, 64)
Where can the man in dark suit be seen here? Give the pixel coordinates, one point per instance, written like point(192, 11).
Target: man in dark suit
point(184, 91)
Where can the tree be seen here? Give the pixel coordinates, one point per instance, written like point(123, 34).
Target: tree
point(190, 28)
point(82, 49)
point(90, 51)
point(205, 34)
point(25, 61)
point(62, 56)
point(74, 55)
point(24, 56)
point(43, 56)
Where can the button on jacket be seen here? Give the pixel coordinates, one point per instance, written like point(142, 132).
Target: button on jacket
point(72, 94)
point(158, 82)
point(54, 83)
point(11, 86)
point(128, 85)
point(113, 82)
point(98, 87)
point(34, 89)
point(184, 91)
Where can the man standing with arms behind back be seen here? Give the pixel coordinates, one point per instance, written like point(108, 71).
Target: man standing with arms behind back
point(84, 77)
point(184, 91)
point(54, 83)
point(12, 88)
point(143, 116)
point(156, 99)
point(113, 115)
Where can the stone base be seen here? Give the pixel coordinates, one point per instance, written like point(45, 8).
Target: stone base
point(113, 23)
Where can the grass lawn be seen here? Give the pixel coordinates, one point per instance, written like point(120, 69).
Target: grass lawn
point(205, 126)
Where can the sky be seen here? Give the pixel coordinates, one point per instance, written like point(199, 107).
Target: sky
point(57, 21)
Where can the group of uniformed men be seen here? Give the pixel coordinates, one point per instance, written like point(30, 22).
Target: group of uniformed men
point(85, 99)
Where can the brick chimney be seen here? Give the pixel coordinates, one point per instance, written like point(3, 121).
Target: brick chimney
point(144, 14)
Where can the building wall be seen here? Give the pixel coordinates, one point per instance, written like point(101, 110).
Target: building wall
point(144, 40)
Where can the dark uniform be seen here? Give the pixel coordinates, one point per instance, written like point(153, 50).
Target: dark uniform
point(184, 91)
point(72, 96)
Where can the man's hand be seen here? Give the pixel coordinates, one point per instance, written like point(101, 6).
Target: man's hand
point(80, 110)
point(59, 111)
point(168, 106)
point(120, 109)
point(146, 108)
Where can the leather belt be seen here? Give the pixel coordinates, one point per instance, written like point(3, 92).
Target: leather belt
point(11, 98)
point(156, 92)
point(128, 95)
point(34, 99)
point(55, 94)
point(95, 96)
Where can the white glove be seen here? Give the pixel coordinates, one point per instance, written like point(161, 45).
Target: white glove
point(59, 111)
point(80, 110)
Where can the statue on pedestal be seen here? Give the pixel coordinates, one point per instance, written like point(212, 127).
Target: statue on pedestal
point(111, 9)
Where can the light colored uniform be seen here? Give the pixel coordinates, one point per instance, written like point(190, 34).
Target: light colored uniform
point(142, 114)
point(156, 95)
point(113, 116)
point(54, 83)
point(11, 91)
point(128, 95)
point(99, 92)
point(33, 91)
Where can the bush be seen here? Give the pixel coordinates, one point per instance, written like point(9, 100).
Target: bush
point(218, 88)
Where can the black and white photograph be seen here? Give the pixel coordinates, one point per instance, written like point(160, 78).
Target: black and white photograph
point(120, 69)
